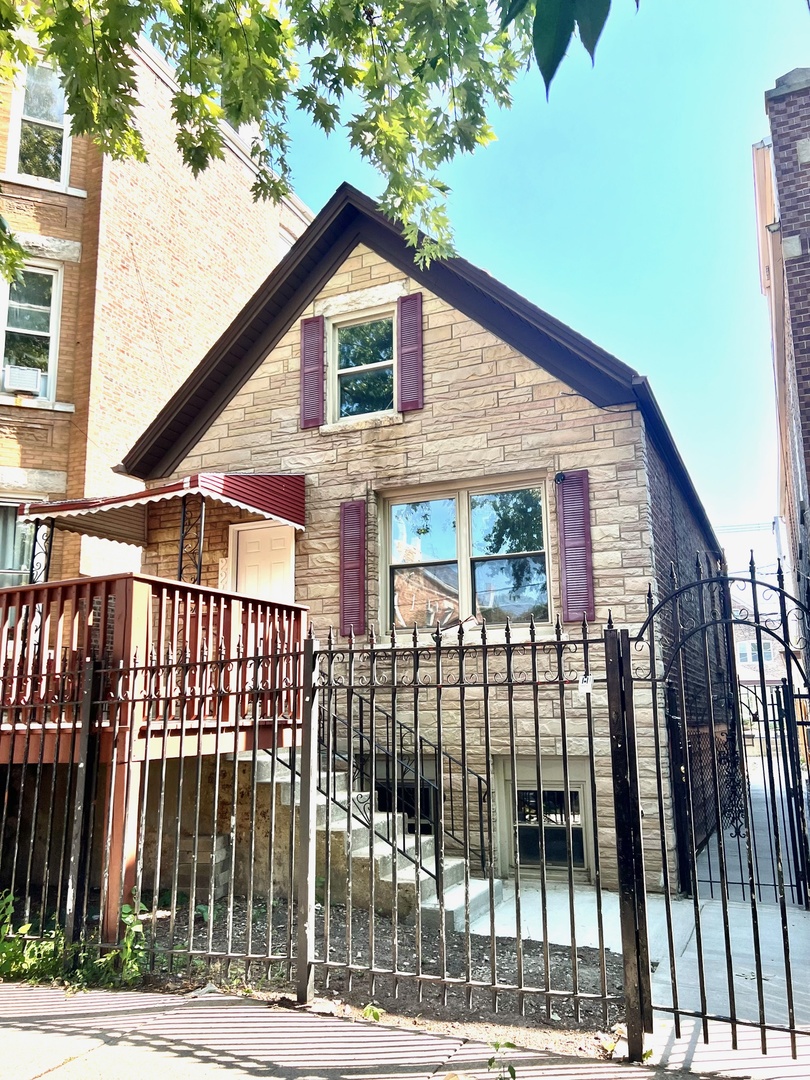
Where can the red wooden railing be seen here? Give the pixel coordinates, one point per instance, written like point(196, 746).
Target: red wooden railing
point(150, 629)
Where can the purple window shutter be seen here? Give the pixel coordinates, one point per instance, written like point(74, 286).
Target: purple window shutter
point(353, 567)
point(576, 569)
point(409, 352)
point(312, 374)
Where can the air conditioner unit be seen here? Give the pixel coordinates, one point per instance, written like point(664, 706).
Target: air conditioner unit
point(27, 380)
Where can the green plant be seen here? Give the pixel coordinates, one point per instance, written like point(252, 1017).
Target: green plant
point(12, 945)
point(373, 1012)
point(132, 947)
point(37, 959)
point(505, 1068)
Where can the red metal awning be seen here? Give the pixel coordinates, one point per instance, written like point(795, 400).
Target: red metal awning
point(123, 517)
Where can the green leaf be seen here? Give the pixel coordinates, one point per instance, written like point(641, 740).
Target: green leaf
point(552, 31)
point(591, 16)
point(510, 11)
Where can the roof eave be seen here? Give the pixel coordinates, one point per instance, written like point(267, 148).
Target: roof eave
point(350, 217)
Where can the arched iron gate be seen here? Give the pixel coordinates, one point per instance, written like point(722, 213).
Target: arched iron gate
point(714, 691)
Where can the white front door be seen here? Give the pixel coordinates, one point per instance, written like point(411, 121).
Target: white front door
point(265, 562)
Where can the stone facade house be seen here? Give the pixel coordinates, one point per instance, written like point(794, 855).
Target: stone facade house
point(119, 297)
point(396, 445)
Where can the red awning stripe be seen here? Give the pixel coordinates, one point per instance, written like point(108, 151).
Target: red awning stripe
point(123, 517)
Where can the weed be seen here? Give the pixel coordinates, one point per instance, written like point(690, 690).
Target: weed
point(49, 958)
point(505, 1068)
point(373, 1012)
point(132, 947)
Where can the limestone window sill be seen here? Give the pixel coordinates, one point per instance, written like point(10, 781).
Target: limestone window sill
point(21, 401)
point(41, 185)
point(362, 423)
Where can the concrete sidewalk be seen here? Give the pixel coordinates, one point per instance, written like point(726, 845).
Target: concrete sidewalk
point(132, 1036)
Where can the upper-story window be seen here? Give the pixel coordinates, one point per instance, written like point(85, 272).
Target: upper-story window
point(748, 653)
point(39, 133)
point(29, 333)
point(356, 365)
point(363, 368)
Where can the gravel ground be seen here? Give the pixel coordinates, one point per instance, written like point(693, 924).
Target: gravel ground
point(539, 1021)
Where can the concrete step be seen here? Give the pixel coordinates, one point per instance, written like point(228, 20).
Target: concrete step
point(415, 884)
point(454, 904)
point(384, 857)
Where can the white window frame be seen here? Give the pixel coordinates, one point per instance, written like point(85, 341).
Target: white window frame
point(462, 492)
point(14, 136)
point(25, 571)
point(553, 777)
point(747, 652)
point(56, 270)
point(333, 325)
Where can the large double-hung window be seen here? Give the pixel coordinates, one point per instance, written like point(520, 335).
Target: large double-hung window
point(364, 368)
point(469, 552)
point(39, 136)
point(29, 332)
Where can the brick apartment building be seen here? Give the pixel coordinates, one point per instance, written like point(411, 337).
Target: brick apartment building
point(782, 184)
point(133, 272)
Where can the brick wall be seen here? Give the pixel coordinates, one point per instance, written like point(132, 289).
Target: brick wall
point(178, 256)
point(165, 262)
point(788, 108)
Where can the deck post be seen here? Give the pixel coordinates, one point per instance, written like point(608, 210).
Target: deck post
point(123, 787)
point(130, 653)
point(305, 891)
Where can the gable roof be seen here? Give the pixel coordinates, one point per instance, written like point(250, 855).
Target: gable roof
point(348, 219)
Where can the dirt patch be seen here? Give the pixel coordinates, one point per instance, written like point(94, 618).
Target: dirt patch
point(546, 1015)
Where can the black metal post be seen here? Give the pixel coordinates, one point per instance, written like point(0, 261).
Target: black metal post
point(190, 547)
point(632, 900)
point(305, 968)
point(82, 809)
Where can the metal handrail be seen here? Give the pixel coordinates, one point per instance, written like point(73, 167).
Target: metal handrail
point(399, 762)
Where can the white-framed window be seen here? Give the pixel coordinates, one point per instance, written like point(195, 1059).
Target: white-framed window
point(748, 653)
point(31, 331)
point(549, 817)
point(548, 827)
point(16, 538)
point(474, 551)
point(39, 130)
point(361, 363)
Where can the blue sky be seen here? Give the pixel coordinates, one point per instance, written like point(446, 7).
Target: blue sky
point(624, 206)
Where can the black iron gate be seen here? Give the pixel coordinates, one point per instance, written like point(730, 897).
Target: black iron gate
point(730, 826)
point(584, 826)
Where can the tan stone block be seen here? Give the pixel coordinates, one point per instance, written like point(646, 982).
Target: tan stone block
point(561, 437)
point(614, 515)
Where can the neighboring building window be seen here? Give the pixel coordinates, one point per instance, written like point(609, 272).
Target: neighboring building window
point(748, 653)
point(15, 547)
point(469, 552)
point(364, 357)
point(40, 142)
point(554, 828)
point(29, 341)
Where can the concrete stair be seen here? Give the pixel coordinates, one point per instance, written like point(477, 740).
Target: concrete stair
point(377, 866)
